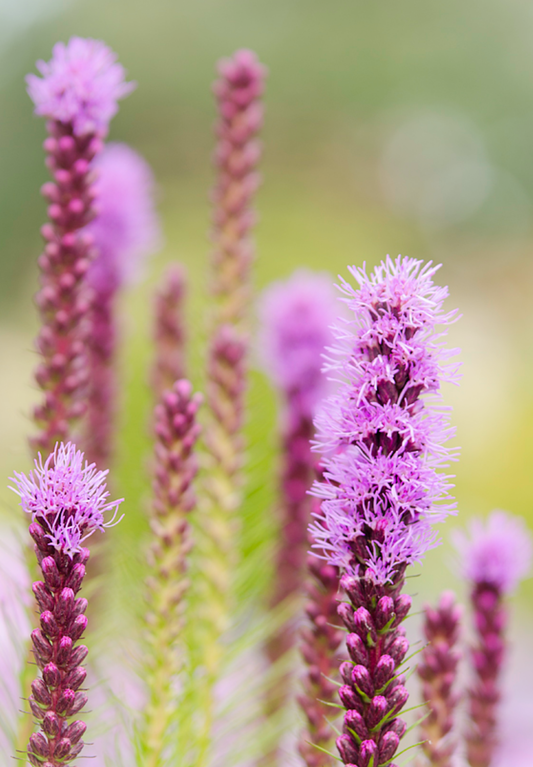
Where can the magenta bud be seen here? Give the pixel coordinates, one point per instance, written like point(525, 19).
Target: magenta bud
point(398, 726)
point(345, 613)
point(349, 698)
point(397, 699)
point(80, 605)
point(51, 675)
point(347, 748)
point(66, 144)
point(76, 206)
point(357, 649)
point(41, 645)
point(78, 627)
point(361, 680)
point(75, 678)
point(76, 577)
point(354, 722)
point(364, 626)
point(49, 624)
point(40, 692)
point(62, 749)
point(398, 649)
point(38, 744)
point(65, 603)
point(346, 671)
point(367, 753)
point(64, 651)
point(36, 710)
point(384, 612)
point(384, 671)
point(75, 731)
point(39, 536)
point(387, 747)
point(78, 655)
point(50, 573)
point(50, 145)
point(79, 702)
point(376, 711)
point(65, 701)
point(51, 724)
point(402, 606)
point(43, 596)
point(74, 750)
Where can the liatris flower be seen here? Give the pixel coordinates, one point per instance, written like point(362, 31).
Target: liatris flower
point(169, 331)
point(381, 490)
point(125, 231)
point(68, 502)
point(319, 645)
point(438, 670)
point(495, 558)
point(78, 94)
point(238, 91)
point(295, 330)
point(176, 432)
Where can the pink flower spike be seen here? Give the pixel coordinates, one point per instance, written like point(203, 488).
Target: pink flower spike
point(81, 84)
point(497, 552)
point(67, 498)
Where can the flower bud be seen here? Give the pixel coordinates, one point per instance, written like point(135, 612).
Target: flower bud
point(357, 649)
point(347, 749)
point(354, 722)
point(384, 612)
point(51, 675)
point(38, 744)
point(75, 678)
point(51, 724)
point(402, 605)
point(77, 627)
point(367, 753)
point(361, 680)
point(376, 711)
point(349, 698)
point(75, 731)
point(364, 626)
point(40, 692)
point(387, 746)
point(346, 671)
point(384, 671)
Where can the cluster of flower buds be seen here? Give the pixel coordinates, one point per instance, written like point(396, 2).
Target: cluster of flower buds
point(319, 645)
point(438, 671)
point(62, 300)
point(56, 696)
point(373, 691)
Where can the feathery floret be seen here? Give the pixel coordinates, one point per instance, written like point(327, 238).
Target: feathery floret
point(80, 84)
point(296, 318)
point(383, 430)
point(497, 553)
point(67, 498)
point(126, 228)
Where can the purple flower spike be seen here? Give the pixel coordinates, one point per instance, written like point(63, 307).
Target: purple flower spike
point(80, 85)
point(494, 560)
point(382, 434)
point(78, 94)
point(295, 318)
point(124, 232)
point(67, 501)
point(437, 670)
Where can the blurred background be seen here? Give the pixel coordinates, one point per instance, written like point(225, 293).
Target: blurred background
point(392, 127)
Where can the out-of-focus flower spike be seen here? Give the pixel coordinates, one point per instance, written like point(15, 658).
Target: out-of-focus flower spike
point(125, 232)
point(78, 93)
point(67, 499)
point(495, 557)
point(382, 435)
point(176, 431)
point(238, 93)
point(169, 330)
point(437, 671)
point(295, 318)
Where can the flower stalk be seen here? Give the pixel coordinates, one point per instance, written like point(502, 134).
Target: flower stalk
point(169, 330)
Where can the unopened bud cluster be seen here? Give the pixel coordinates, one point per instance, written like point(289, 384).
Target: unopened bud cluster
point(56, 696)
point(437, 670)
point(169, 331)
point(373, 692)
point(62, 300)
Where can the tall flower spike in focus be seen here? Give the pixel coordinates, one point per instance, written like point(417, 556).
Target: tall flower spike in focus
point(238, 92)
point(68, 501)
point(295, 319)
point(169, 330)
point(382, 436)
point(176, 432)
point(124, 232)
point(437, 671)
point(494, 560)
point(78, 95)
